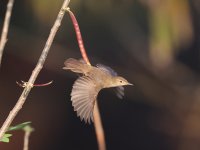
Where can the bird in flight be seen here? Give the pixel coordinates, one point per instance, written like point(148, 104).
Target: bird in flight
point(86, 87)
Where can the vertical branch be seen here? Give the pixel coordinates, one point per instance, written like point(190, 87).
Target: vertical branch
point(5, 27)
point(99, 129)
point(26, 140)
point(28, 130)
point(35, 72)
point(97, 118)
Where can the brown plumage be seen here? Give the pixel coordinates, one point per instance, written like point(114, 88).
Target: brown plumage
point(86, 88)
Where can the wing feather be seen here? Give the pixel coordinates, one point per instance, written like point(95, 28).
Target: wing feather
point(119, 91)
point(83, 97)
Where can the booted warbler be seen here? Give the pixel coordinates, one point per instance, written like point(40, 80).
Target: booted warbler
point(86, 88)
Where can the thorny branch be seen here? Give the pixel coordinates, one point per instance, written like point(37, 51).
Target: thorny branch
point(36, 71)
point(5, 27)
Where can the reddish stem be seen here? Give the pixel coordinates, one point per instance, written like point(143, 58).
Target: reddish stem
point(23, 84)
point(79, 37)
point(43, 84)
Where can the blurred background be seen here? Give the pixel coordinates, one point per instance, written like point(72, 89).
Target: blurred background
point(154, 44)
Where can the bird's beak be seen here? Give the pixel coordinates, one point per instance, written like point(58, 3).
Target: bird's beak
point(130, 84)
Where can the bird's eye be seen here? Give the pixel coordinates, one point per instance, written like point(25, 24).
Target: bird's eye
point(120, 81)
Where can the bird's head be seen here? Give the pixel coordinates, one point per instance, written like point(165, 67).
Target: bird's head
point(119, 81)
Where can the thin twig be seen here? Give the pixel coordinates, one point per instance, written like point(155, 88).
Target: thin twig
point(35, 72)
point(23, 84)
point(5, 27)
point(26, 140)
point(99, 129)
point(97, 117)
point(28, 130)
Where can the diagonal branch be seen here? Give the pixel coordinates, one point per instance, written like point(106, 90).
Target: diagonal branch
point(35, 72)
point(5, 27)
point(97, 117)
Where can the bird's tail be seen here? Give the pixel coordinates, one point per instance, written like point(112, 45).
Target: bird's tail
point(78, 66)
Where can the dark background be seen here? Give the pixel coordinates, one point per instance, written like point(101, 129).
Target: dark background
point(152, 43)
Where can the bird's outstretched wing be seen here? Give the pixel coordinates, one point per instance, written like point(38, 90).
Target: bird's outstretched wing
point(118, 90)
point(83, 97)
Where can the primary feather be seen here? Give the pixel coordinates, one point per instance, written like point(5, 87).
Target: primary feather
point(84, 94)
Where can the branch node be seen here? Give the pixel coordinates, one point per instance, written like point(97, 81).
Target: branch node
point(66, 9)
point(23, 84)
